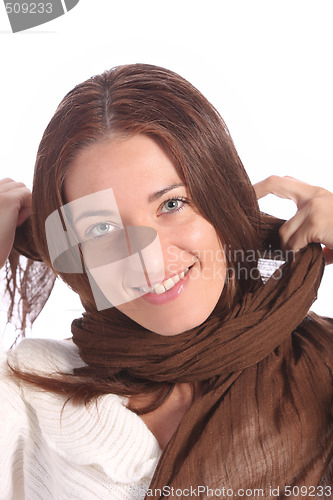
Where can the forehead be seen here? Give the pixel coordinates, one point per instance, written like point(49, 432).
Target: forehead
point(136, 164)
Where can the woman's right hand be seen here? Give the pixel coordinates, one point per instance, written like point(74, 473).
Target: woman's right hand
point(15, 208)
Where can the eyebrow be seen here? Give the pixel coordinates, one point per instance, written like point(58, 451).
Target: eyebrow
point(154, 196)
point(92, 213)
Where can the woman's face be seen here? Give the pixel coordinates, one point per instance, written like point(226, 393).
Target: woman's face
point(149, 193)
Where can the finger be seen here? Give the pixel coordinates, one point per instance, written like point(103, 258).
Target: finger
point(26, 209)
point(299, 239)
point(7, 185)
point(305, 233)
point(328, 254)
point(283, 187)
point(286, 187)
point(19, 199)
point(290, 228)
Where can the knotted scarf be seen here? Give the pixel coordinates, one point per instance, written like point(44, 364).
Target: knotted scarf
point(263, 428)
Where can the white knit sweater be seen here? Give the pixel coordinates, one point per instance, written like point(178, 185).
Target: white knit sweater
point(104, 451)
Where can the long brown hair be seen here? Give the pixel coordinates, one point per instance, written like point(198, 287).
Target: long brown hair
point(150, 100)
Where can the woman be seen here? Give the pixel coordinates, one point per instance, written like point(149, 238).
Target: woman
point(207, 382)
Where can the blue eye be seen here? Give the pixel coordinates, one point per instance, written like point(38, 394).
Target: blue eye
point(174, 205)
point(99, 229)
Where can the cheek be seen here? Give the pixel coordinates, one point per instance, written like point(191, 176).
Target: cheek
point(200, 239)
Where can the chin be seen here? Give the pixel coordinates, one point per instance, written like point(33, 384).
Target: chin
point(173, 321)
point(175, 327)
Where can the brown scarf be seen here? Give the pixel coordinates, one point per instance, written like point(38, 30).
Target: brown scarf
point(264, 424)
point(265, 421)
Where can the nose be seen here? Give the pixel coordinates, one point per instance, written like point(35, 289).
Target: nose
point(147, 266)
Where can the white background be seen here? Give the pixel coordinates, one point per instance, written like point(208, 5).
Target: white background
point(266, 65)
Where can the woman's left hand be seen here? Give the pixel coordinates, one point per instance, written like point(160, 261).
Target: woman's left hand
point(313, 221)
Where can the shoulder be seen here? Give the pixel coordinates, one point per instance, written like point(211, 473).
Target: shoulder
point(45, 355)
point(49, 427)
point(37, 356)
point(40, 356)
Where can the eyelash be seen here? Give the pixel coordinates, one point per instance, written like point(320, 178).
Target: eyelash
point(184, 201)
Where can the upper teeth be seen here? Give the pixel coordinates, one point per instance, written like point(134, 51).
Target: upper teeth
point(166, 285)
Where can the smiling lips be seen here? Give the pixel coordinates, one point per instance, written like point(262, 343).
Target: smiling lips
point(165, 285)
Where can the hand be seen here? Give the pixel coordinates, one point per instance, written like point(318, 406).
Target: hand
point(15, 208)
point(313, 221)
